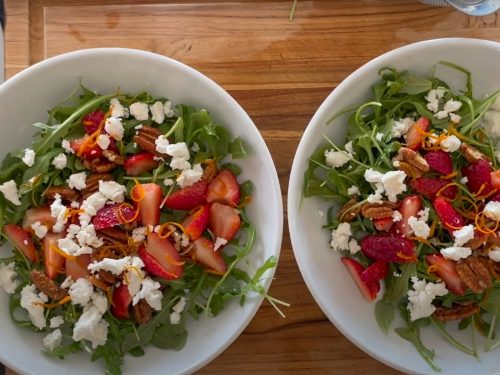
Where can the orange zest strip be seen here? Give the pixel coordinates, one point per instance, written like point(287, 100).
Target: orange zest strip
point(420, 239)
point(54, 305)
point(409, 258)
point(132, 269)
point(170, 231)
point(433, 228)
point(483, 197)
point(423, 132)
point(211, 169)
point(61, 253)
point(71, 212)
point(480, 190)
point(438, 194)
point(92, 138)
point(448, 176)
point(448, 225)
point(137, 192)
point(432, 268)
point(454, 132)
point(215, 272)
point(482, 227)
point(172, 261)
point(122, 206)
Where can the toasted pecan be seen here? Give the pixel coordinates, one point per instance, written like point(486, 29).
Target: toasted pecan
point(474, 273)
point(378, 210)
point(99, 166)
point(410, 162)
point(99, 283)
point(456, 312)
point(113, 157)
point(146, 137)
point(108, 277)
point(113, 235)
point(349, 210)
point(472, 154)
point(66, 193)
point(92, 183)
point(479, 240)
point(142, 312)
point(47, 286)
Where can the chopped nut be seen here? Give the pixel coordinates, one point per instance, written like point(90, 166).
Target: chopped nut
point(349, 210)
point(113, 157)
point(474, 273)
point(472, 154)
point(411, 162)
point(146, 137)
point(457, 312)
point(66, 193)
point(478, 240)
point(113, 235)
point(99, 283)
point(142, 312)
point(378, 210)
point(99, 166)
point(108, 277)
point(92, 183)
point(47, 286)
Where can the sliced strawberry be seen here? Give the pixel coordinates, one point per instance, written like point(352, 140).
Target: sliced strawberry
point(196, 223)
point(112, 215)
point(21, 239)
point(224, 188)
point(140, 163)
point(439, 161)
point(447, 271)
point(375, 272)
point(78, 267)
point(429, 187)
point(370, 289)
point(150, 204)
point(54, 262)
point(450, 218)
point(161, 258)
point(204, 253)
point(388, 248)
point(188, 197)
point(495, 197)
point(40, 214)
point(91, 150)
point(495, 179)
point(224, 221)
point(478, 177)
point(416, 135)
point(121, 302)
point(409, 207)
point(92, 121)
point(384, 224)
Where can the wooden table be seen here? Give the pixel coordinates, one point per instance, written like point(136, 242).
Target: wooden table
point(280, 72)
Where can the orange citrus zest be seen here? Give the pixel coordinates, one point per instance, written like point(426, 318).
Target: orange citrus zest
point(137, 193)
point(62, 253)
point(432, 268)
point(409, 258)
point(438, 194)
point(122, 206)
point(433, 227)
point(71, 212)
point(487, 195)
point(454, 132)
point(215, 272)
point(54, 305)
point(448, 176)
point(419, 239)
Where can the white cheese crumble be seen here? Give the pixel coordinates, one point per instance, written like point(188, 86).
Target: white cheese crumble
point(29, 157)
point(396, 216)
point(77, 181)
point(103, 141)
point(492, 210)
point(464, 180)
point(60, 161)
point(140, 111)
point(162, 144)
point(8, 278)
point(66, 145)
point(52, 340)
point(168, 182)
point(139, 234)
point(150, 291)
point(456, 252)
point(32, 302)
point(451, 143)
point(349, 148)
point(92, 204)
point(433, 98)
point(115, 266)
point(114, 127)
point(190, 176)
point(81, 292)
point(402, 126)
point(195, 147)
point(175, 316)
point(9, 191)
point(354, 246)
point(117, 109)
point(56, 321)
point(379, 136)
point(39, 229)
point(157, 112)
point(493, 254)
point(168, 109)
point(419, 227)
point(353, 190)
point(180, 156)
point(390, 183)
point(112, 190)
point(463, 235)
point(58, 211)
point(455, 118)
point(92, 327)
point(219, 242)
point(336, 159)
point(421, 296)
point(340, 237)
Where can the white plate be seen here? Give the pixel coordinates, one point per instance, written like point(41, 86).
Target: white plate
point(326, 277)
point(25, 99)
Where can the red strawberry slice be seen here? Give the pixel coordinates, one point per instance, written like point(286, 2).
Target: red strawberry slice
point(150, 204)
point(447, 271)
point(415, 135)
point(409, 207)
point(203, 252)
point(495, 179)
point(429, 187)
point(384, 224)
point(478, 174)
point(224, 221)
point(440, 161)
point(54, 262)
point(121, 302)
point(112, 215)
point(388, 248)
point(450, 218)
point(375, 272)
point(495, 197)
point(224, 188)
point(370, 289)
point(21, 239)
point(91, 150)
point(92, 121)
point(40, 214)
point(188, 197)
point(161, 258)
point(140, 163)
point(78, 267)
point(196, 223)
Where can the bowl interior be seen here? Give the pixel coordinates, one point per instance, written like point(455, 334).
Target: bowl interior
point(324, 274)
point(25, 99)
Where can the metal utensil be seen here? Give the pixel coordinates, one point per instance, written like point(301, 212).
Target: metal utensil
point(470, 7)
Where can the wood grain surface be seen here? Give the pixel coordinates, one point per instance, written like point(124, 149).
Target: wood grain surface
point(280, 72)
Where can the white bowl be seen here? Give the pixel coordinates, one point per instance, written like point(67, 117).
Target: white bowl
point(327, 279)
point(25, 99)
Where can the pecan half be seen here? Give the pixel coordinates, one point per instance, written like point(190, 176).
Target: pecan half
point(410, 162)
point(378, 210)
point(457, 312)
point(99, 283)
point(146, 137)
point(108, 277)
point(479, 240)
point(66, 193)
point(113, 157)
point(349, 210)
point(92, 183)
point(472, 154)
point(47, 286)
point(99, 166)
point(474, 273)
point(142, 312)
point(113, 235)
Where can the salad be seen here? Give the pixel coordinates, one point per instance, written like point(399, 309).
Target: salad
point(415, 205)
point(126, 215)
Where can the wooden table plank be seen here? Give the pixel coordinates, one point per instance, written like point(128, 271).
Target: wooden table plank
point(280, 72)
